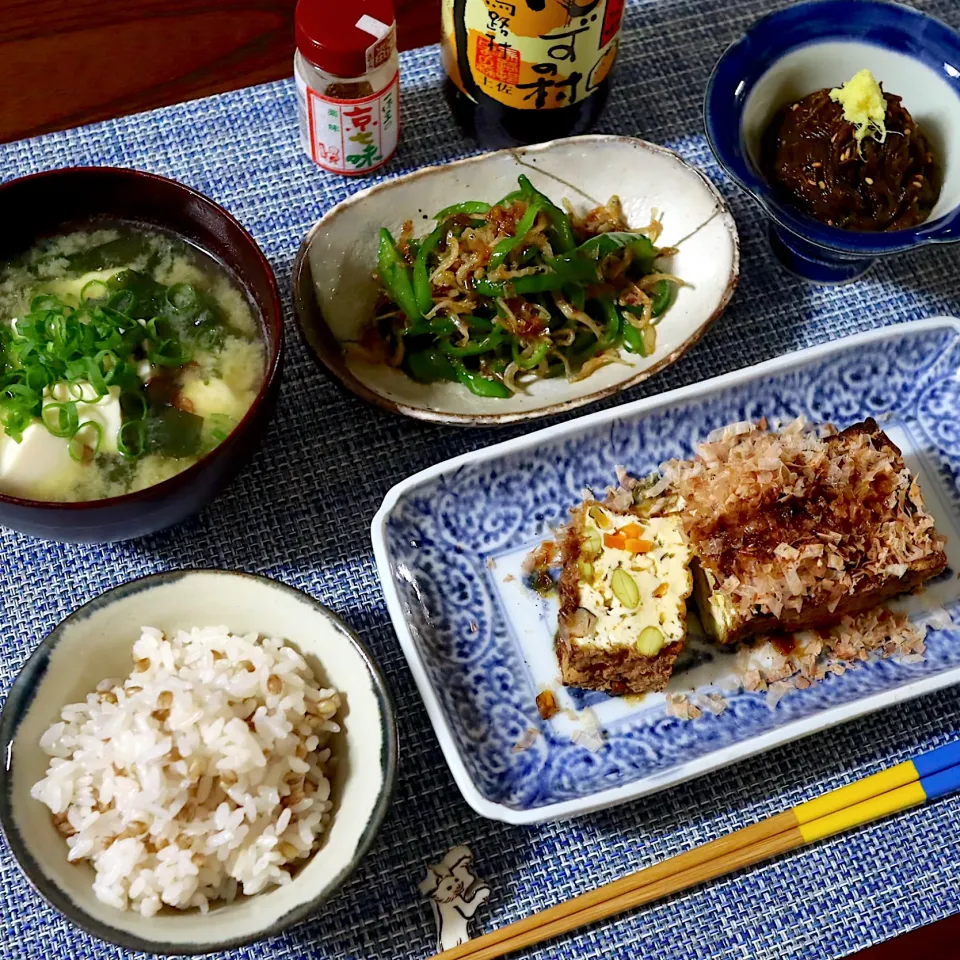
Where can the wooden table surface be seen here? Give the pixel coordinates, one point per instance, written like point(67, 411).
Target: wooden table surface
point(64, 63)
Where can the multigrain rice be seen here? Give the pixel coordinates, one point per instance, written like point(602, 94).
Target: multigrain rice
point(203, 775)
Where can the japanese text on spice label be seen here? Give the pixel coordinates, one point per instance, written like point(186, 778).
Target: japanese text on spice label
point(353, 136)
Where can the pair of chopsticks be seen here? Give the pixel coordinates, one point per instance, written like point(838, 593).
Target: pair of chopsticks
point(930, 775)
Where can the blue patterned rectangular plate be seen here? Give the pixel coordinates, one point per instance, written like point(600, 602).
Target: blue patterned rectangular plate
point(449, 543)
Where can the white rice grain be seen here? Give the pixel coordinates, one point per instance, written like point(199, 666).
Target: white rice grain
point(193, 780)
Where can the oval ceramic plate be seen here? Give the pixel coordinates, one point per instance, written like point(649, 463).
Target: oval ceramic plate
point(94, 643)
point(334, 289)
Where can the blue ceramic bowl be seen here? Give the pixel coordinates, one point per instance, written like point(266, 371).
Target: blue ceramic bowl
point(812, 45)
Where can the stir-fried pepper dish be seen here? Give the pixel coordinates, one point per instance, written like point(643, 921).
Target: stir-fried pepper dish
point(521, 289)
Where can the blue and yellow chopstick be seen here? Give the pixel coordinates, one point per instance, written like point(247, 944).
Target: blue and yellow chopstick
point(930, 775)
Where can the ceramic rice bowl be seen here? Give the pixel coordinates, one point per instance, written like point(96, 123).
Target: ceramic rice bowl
point(94, 643)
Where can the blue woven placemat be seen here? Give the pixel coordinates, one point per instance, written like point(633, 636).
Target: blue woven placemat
point(301, 514)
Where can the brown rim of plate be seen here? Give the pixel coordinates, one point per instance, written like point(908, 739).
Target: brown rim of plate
point(325, 348)
point(272, 331)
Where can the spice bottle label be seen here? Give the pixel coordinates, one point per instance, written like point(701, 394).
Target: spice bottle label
point(350, 136)
point(530, 54)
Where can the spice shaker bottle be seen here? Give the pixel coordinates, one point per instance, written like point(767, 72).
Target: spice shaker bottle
point(348, 83)
point(525, 71)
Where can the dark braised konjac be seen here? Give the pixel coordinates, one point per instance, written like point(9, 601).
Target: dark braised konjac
point(812, 155)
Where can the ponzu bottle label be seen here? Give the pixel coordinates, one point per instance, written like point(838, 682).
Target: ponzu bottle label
point(530, 54)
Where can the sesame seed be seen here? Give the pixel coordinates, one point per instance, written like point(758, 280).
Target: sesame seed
point(822, 185)
point(868, 181)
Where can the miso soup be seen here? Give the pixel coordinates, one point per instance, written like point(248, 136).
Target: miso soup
point(126, 355)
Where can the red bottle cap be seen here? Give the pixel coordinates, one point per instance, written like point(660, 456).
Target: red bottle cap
point(329, 37)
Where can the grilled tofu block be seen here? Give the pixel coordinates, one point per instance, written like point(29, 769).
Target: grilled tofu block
point(623, 592)
point(794, 531)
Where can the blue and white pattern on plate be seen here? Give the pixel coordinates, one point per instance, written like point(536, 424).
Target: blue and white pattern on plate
point(455, 538)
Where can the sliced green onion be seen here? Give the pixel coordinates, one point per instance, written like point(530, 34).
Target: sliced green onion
point(183, 297)
point(108, 364)
point(15, 421)
point(95, 290)
point(21, 392)
point(132, 439)
point(95, 377)
point(168, 353)
point(133, 404)
point(82, 446)
point(61, 419)
point(220, 426)
point(46, 303)
point(123, 301)
point(37, 378)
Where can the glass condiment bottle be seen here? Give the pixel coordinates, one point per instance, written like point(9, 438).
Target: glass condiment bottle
point(525, 71)
point(348, 83)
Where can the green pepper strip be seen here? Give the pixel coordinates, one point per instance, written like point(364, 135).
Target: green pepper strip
point(505, 246)
point(480, 385)
point(512, 197)
point(473, 348)
point(437, 327)
point(429, 365)
point(474, 207)
point(632, 337)
point(633, 340)
point(561, 271)
point(662, 295)
point(395, 276)
point(605, 244)
point(421, 273)
point(615, 323)
point(480, 324)
point(495, 365)
point(534, 359)
point(611, 334)
point(563, 238)
point(578, 297)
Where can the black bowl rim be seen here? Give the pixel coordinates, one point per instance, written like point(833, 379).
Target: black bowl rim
point(272, 366)
point(21, 695)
